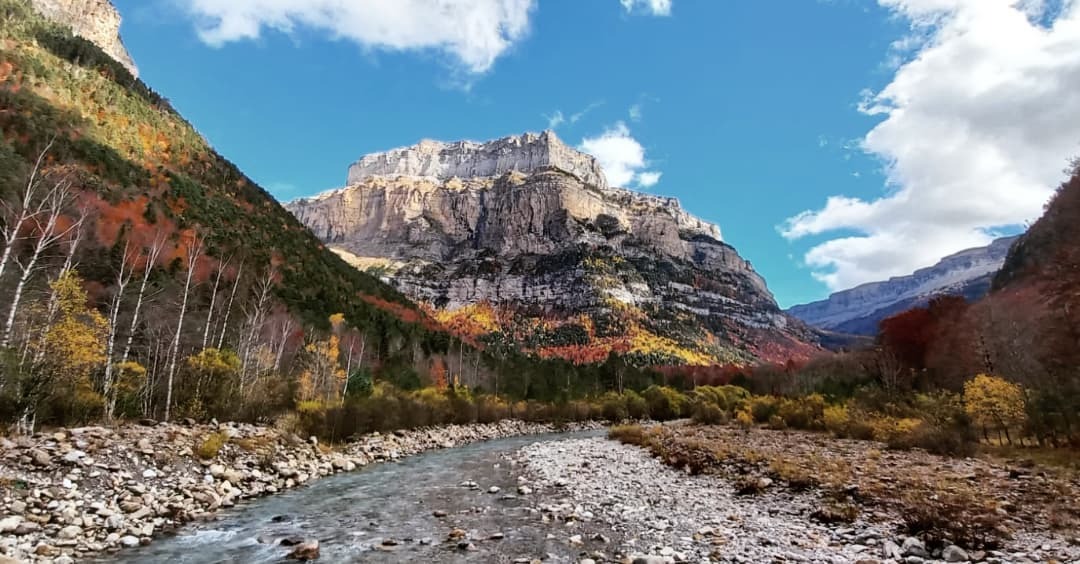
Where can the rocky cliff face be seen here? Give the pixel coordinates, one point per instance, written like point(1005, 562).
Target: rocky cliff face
point(468, 159)
point(95, 20)
point(860, 309)
point(527, 225)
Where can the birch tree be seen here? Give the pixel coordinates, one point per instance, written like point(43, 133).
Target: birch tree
point(194, 249)
point(47, 227)
point(152, 255)
point(123, 277)
point(213, 298)
point(19, 215)
point(228, 308)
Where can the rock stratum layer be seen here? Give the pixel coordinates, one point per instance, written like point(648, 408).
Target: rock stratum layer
point(97, 21)
point(859, 310)
point(520, 242)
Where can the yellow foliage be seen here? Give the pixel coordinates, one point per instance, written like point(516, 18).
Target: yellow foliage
point(644, 341)
point(214, 362)
point(994, 402)
point(892, 429)
point(744, 419)
point(75, 344)
point(322, 375)
point(337, 320)
point(472, 320)
point(836, 419)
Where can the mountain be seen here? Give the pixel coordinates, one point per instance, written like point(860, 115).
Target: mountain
point(95, 20)
point(137, 173)
point(520, 241)
point(859, 310)
point(1049, 252)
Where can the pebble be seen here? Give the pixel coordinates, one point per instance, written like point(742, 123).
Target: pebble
point(658, 514)
point(115, 497)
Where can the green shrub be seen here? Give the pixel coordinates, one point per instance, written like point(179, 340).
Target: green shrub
point(705, 413)
point(664, 403)
point(613, 407)
point(636, 406)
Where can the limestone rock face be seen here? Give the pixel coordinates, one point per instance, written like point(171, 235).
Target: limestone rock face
point(468, 159)
point(860, 309)
point(505, 223)
point(97, 21)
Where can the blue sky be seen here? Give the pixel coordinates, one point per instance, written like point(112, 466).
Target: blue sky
point(755, 113)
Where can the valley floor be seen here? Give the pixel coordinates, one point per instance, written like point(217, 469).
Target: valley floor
point(738, 513)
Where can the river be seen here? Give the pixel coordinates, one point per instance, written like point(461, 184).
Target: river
point(353, 515)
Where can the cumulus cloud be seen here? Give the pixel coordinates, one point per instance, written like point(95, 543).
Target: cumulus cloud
point(621, 156)
point(472, 33)
point(978, 123)
point(653, 7)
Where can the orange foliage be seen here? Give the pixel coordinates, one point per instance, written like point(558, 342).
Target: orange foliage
point(438, 374)
point(111, 219)
point(402, 312)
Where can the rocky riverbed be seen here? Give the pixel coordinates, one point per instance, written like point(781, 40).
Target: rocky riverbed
point(645, 511)
point(70, 494)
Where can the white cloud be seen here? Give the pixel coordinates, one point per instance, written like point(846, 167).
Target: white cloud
point(975, 133)
point(555, 120)
point(648, 178)
point(653, 7)
point(473, 33)
point(576, 116)
point(635, 112)
point(621, 156)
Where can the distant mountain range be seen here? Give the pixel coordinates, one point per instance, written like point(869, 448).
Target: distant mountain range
point(521, 241)
point(858, 311)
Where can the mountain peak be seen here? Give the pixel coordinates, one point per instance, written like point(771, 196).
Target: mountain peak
point(97, 21)
point(442, 160)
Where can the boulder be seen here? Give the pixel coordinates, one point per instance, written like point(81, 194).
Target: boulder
point(9, 524)
point(953, 553)
point(305, 551)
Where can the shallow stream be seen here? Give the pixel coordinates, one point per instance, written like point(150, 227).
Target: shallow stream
point(383, 513)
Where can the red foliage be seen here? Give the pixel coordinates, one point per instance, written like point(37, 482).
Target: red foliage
point(908, 336)
point(402, 312)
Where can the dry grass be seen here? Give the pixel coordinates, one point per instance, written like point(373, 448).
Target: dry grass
point(941, 499)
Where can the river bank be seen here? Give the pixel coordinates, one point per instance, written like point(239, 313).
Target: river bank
point(70, 494)
point(743, 511)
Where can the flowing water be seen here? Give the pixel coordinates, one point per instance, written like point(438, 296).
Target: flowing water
point(353, 514)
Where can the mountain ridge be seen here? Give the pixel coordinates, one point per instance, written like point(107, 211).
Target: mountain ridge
point(500, 223)
point(858, 310)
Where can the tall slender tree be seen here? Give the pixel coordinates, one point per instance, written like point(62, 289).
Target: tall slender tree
point(194, 249)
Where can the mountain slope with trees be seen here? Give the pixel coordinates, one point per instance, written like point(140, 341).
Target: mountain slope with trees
point(160, 275)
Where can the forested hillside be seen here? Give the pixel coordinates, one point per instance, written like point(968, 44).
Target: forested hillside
point(144, 275)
